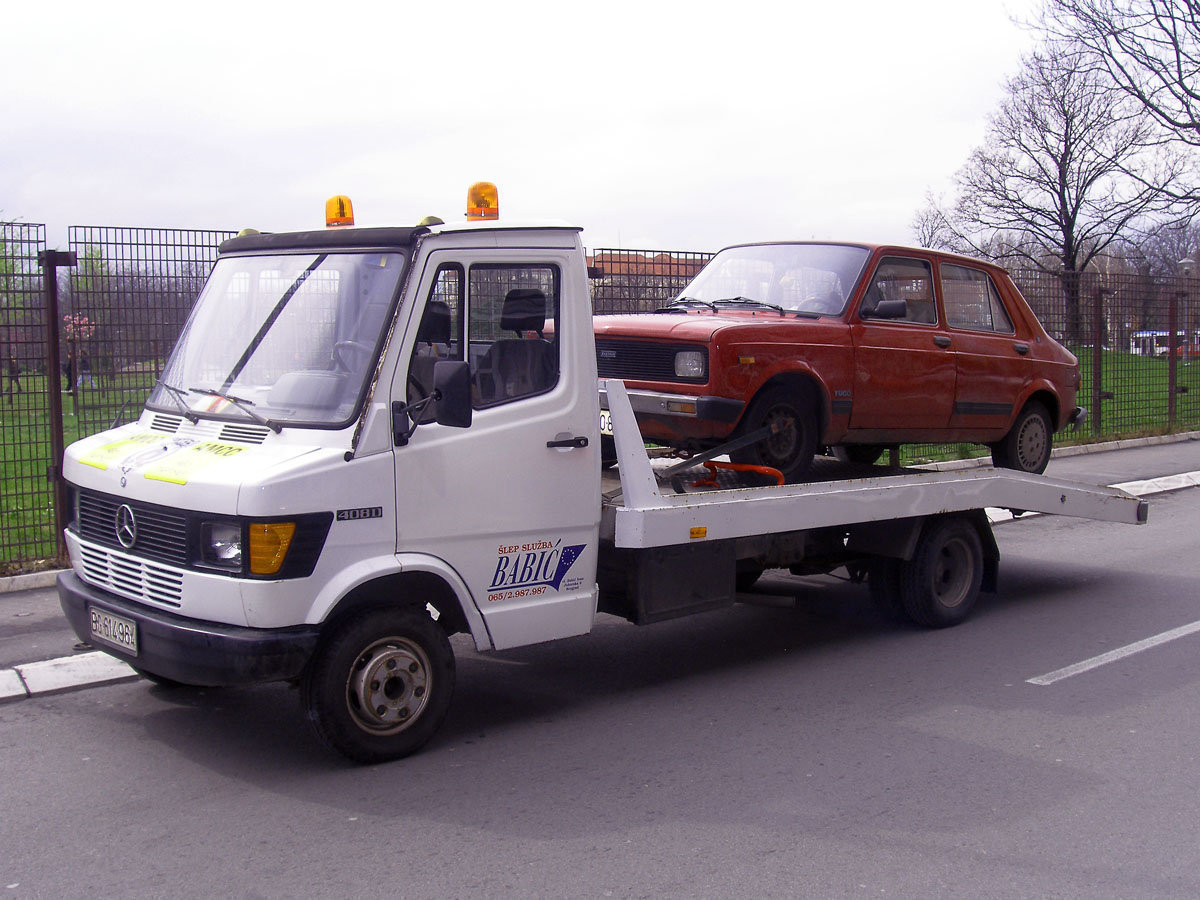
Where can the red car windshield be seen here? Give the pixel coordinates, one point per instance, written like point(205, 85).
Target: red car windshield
point(802, 278)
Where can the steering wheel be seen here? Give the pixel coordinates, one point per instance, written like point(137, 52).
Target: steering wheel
point(340, 361)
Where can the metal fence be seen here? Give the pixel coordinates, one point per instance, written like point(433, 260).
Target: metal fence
point(130, 293)
point(26, 496)
point(127, 297)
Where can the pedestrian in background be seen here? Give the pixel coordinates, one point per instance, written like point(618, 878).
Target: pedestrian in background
point(14, 378)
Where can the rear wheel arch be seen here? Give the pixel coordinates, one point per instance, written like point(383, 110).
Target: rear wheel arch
point(1049, 401)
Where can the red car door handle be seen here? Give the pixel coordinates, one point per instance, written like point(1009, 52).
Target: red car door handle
point(941, 340)
point(1021, 348)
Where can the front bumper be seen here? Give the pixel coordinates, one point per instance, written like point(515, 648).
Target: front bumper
point(189, 650)
point(688, 406)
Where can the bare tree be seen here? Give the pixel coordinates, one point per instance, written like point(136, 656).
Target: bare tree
point(1150, 49)
point(1050, 186)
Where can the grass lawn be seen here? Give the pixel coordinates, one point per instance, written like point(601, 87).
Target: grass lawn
point(27, 531)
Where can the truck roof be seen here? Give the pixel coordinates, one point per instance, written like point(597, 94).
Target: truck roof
point(385, 236)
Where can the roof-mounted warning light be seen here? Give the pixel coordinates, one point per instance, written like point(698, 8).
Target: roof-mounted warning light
point(483, 201)
point(338, 211)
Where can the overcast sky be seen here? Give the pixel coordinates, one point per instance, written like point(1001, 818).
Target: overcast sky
point(653, 125)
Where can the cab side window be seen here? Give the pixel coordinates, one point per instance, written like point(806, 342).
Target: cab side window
point(511, 331)
point(906, 280)
point(972, 300)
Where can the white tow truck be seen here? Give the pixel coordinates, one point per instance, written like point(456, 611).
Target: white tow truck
point(369, 439)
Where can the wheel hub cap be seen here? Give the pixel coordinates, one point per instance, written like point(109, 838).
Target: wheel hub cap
point(389, 685)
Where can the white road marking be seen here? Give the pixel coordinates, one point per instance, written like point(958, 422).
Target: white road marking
point(1113, 655)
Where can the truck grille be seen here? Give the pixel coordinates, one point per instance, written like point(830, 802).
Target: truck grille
point(642, 360)
point(136, 579)
point(161, 531)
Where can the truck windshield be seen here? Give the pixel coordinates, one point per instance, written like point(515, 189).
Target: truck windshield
point(809, 279)
point(282, 340)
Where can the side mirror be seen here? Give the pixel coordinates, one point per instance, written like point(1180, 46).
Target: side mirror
point(888, 309)
point(452, 387)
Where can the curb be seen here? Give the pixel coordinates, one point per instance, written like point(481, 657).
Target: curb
point(30, 582)
point(57, 676)
point(1074, 450)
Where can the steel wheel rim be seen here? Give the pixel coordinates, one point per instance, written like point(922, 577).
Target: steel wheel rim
point(951, 575)
point(780, 447)
point(388, 685)
point(1031, 443)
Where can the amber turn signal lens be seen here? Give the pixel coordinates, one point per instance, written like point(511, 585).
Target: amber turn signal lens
point(269, 543)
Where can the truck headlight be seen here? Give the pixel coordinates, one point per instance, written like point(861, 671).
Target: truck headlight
point(248, 547)
point(689, 364)
point(221, 544)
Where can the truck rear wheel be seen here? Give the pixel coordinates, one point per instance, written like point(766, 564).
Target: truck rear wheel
point(380, 686)
point(940, 584)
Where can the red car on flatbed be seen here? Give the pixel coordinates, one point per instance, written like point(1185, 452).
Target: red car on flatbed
point(851, 346)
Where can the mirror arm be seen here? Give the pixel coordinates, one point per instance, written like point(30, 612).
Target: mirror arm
point(406, 417)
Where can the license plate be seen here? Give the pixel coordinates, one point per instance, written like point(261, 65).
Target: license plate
point(606, 422)
point(115, 630)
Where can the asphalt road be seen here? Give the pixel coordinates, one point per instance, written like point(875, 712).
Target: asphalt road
point(799, 745)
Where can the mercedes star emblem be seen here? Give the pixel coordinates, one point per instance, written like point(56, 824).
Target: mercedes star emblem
point(126, 526)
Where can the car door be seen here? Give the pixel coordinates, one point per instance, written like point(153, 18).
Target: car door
point(992, 362)
point(904, 369)
point(515, 518)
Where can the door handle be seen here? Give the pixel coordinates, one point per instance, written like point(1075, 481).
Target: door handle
point(1021, 348)
point(571, 443)
point(941, 340)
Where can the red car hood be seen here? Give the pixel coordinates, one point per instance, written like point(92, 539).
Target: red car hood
point(699, 327)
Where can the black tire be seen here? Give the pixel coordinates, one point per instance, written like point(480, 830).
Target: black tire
point(747, 576)
point(883, 583)
point(940, 584)
point(862, 454)
point(379, 686)
point(608, 451)
point(1027, 445)
point(792, 448)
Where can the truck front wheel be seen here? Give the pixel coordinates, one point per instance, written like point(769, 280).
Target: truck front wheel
point(380, 686)
point(940, 584)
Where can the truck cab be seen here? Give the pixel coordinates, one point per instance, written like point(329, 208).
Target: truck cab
point(292, 466)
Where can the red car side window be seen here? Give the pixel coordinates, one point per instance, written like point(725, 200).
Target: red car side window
point(972, 301)
point(906, 280)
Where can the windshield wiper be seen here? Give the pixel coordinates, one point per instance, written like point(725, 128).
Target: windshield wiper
point(684, 301)
point(177, 394)
point(746, 301)
point(242, 404)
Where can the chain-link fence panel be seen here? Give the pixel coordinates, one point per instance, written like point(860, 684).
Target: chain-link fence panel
point(130, 294)
point(26, 495)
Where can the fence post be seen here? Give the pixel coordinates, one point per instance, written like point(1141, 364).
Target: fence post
point(1098, 358)
point(1172, 355)
point(50, 260)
